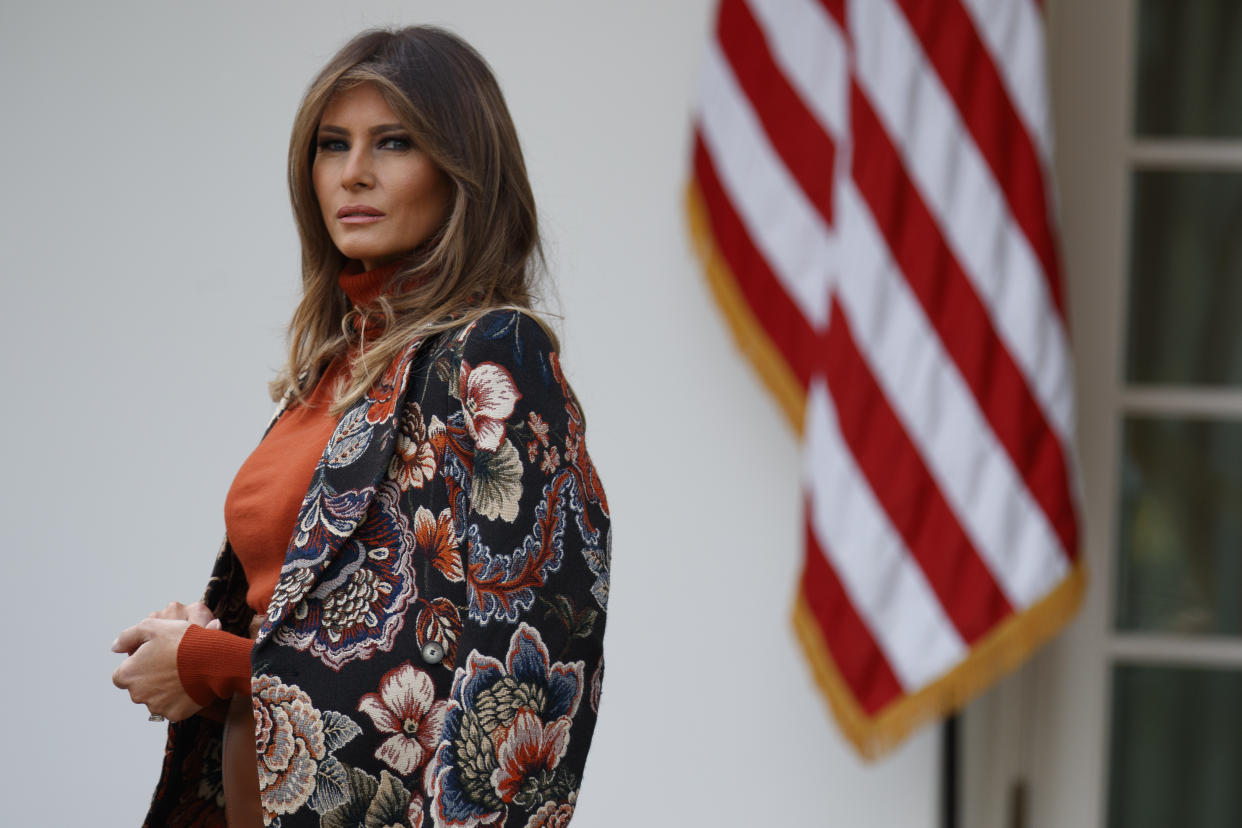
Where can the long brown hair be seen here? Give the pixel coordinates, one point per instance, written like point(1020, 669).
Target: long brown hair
point(486, 255)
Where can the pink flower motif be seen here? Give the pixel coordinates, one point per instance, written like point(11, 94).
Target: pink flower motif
point(527, 748)
point(487, 397)
point(414, 814)
point(414, 460)
point(290, 742)
point(405, 706)
point(554, 814)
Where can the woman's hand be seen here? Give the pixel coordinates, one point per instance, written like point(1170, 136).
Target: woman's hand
point(196, 613)
point(150, 672)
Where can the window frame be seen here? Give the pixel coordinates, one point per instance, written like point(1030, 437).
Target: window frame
point(1046, 729)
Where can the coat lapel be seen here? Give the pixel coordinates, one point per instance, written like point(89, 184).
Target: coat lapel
point(344, 483)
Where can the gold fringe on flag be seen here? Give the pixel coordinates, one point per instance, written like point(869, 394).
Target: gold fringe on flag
point(997, 655)
point(750, 335)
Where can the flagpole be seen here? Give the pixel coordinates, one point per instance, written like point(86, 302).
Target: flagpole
point(948, 772)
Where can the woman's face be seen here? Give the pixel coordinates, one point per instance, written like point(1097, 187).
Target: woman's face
point(380, 195)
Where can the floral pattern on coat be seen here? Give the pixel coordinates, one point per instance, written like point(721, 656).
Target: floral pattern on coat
point(406, 707)
point(359, 605)
point(295, 743)
point(506, 731)
point(440, 614)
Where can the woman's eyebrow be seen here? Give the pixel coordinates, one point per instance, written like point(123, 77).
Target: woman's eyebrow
point(375, 130)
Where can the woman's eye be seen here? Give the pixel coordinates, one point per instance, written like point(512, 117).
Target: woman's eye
point(332, 145)
point(396, 142)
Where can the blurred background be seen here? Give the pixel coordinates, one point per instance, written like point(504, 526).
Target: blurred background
point(151, 265)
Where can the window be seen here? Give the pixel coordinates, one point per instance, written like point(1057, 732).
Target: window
point(1175, 744)
point(1133, 717)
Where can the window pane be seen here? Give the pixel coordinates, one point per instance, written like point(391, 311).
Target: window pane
point(1189, 68)
point(1180, 560)
point(1176, 748)
point(1185, 314)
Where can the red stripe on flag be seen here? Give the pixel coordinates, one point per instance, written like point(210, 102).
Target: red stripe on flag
point(906, 490)
point(792, 129)
point(858, 659)
point(965, 66)
point(961, 320)
point(780, 317)
point(836, 8)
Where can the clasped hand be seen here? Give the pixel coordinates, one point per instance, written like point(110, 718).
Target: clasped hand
point(149, 672)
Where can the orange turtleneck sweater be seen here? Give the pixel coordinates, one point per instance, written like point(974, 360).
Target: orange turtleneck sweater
point(261, 510)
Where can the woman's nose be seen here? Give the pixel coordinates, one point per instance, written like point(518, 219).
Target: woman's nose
point(357, 171)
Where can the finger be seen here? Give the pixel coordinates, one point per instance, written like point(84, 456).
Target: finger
point(124, 642)
point(197, 613)
point(213, 624)
point(131, 638)
point(175, 610)
point(128, 641)
point(120, 676)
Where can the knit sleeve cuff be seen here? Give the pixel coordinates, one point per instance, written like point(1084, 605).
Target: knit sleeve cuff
point(213, 664)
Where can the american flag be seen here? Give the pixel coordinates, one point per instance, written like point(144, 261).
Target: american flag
point(870, 198)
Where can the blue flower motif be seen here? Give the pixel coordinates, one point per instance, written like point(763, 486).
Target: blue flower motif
point(468, 784)
point(358, 605)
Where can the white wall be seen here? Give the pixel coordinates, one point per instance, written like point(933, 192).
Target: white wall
point(150, 265)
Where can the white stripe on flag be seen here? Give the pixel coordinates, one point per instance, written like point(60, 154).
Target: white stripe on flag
point(809, 48)
point(799, 247)
point(885, 585)
point(970, 207)
point(1013, 31)
point(936, 408)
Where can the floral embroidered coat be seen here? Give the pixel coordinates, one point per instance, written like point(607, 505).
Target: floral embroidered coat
point(432, 652)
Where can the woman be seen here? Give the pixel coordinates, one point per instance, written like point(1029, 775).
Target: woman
point(408, 610)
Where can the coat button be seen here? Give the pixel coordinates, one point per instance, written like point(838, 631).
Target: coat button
point(433, 653)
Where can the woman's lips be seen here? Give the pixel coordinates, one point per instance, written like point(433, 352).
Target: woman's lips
point(358, 214)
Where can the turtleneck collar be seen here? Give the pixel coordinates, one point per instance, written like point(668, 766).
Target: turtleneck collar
point(363, 287)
